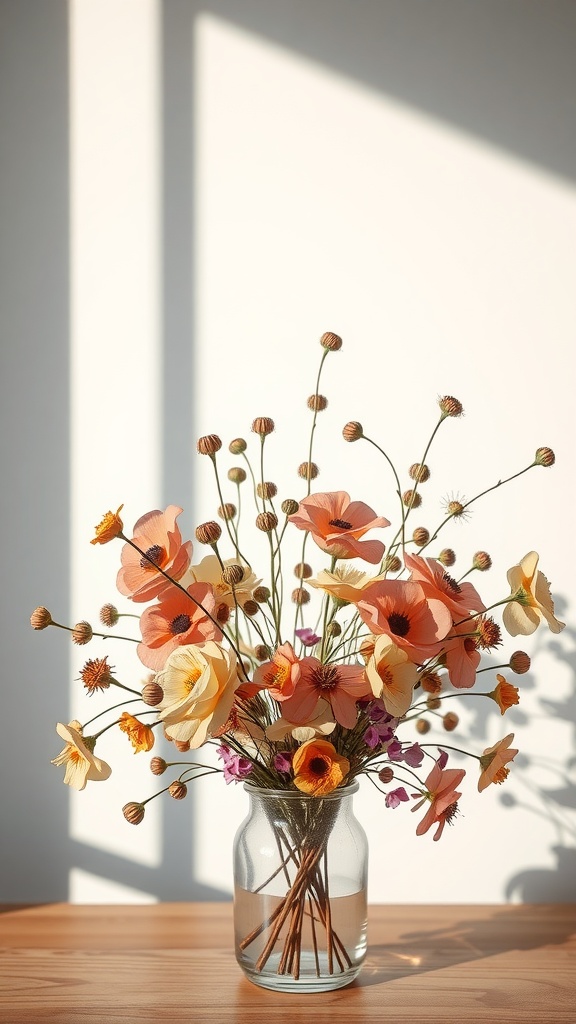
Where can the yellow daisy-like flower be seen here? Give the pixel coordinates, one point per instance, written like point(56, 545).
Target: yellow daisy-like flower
point(318, 768)
point(111, 526)
point(81, 764)
point(530, 601)
point(141, 736)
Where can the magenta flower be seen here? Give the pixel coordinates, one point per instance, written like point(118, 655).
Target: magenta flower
point(308, 637)
point(395, 797)
point(236, 767)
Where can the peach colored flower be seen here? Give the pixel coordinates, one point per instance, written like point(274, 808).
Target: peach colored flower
point(280, 675)
point(111, 526)
point(493, 761)
point(141, 736)
point(209, 570)
point(337, 524)
point(531, 600)
point(403, 610)
point(460, 598)
point(320, 723)
point(82, 765)
point(461, 655)
point(318, 769)
point(441, 792)
point(157, 535)
point(391, 675)
point(505, 694)
point(341, 685)
point(345, 583)
point(176, 621)
point(199, 682)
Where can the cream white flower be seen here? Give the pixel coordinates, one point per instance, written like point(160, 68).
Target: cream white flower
point(531, 599)
point(81, 764)
point(345, 583)
point(321, 723)
point(392, 676)
point(199, 681)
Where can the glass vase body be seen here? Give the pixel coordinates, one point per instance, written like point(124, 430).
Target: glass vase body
point(300, 878)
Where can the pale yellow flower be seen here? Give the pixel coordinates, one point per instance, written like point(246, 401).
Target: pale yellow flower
point(392, 676)
point(531, 600)
point(345, 583)
point(209, 570)
point(321, 723)
point(199, 681)
point(81, 764)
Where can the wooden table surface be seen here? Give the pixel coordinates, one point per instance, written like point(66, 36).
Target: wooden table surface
point(174, 962)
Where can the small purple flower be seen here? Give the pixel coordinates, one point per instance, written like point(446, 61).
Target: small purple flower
point(308, 637)
point(394, 751)
point(283, 762)
point(395, 797)
point(414, 755)
point(372, 737)
point(236, 767)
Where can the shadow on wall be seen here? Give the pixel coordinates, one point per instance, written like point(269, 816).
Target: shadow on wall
point(515, 76)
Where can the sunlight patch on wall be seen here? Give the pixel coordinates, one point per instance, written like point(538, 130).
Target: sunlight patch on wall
point(115, 368)
point(447, 265)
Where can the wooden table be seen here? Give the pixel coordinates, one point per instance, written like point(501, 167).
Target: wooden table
point(174, 962)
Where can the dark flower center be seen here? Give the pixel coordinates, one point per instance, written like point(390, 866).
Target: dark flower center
point(180, 624)
point(318, 766)
point(399, 624)
point(341, 524)
point(325, 677)
point(451, 584)
point(153, 554)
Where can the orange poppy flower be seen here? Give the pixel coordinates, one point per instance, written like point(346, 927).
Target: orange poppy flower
point(337, 524)
point(460, 598)
point(158, 537)
point(141, 736)
point(318, 768)
point(176, 620)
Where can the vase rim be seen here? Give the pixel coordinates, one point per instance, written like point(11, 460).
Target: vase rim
point(296, 794)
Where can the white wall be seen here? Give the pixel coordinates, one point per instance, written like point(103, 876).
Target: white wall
point(238, 179)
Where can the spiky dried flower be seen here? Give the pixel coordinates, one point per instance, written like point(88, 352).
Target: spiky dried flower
point(96, 674)
point(450, 406)
point(109, 615)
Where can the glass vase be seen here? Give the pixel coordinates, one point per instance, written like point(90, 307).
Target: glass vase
point(300, 877)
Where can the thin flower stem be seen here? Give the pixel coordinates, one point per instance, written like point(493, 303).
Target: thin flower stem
point(104, 636)
point(191, 598)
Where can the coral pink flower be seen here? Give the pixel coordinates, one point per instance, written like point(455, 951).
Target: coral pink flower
point(280, 675)
point(462, 655)
point(441, 792)
point(460, 598)
point(493, 763)
point(415, 621)
point(337, 524)
point(341, 685)
point(157, 535)
point(176, 620)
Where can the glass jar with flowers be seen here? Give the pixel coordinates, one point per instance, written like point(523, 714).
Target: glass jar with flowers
point(300, 699)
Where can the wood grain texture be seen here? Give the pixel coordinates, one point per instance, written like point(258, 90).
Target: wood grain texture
point(174, 963)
